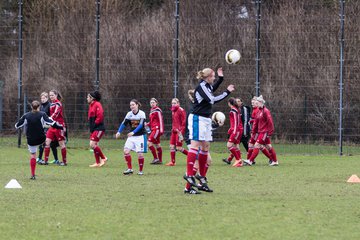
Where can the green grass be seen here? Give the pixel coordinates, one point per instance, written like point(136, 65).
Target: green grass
point(306, 197)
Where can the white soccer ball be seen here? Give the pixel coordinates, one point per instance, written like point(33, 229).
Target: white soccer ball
point(232, 56)
point(219, 118)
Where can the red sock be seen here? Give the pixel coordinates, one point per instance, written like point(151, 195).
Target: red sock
point(233, 152)
point(202, 162)
point(159, 153)
point(46, 152)
point(141, 163)
point(184, 151)
point(254, 154)
point(153, 151)
point(97, 157)
point(266, 153)
point(98, 149)
point(32, 166)
point(128, 160)
point(249, 153)
point(63, 154)
point(187, 186)
point(231, 156)
point(172, 155)
point(273, 154)
point(238, 153)
point(206, 169)
point(191, 158)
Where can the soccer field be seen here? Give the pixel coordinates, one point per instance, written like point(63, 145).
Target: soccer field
point(306, 197)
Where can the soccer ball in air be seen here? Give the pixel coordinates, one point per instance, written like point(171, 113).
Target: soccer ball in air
point(232, 56)
point(219, 118)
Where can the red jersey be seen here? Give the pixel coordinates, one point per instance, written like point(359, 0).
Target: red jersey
point(253, 120)
point(264, 122)
point(178, 120)
point(156, 119)
point(235, 121)
point(96, 116)
point(56, 111)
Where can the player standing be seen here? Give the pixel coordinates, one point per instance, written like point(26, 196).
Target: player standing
point(156, 125)
point(177, 131)
point(97, 127)
point(264, 126)
point(34, 122)
point(199, 123)
point(137, 138)
point(56, 113)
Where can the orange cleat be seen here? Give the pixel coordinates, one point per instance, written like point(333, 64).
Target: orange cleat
point(171, 164)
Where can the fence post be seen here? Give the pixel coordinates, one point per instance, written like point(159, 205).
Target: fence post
point(97, 57)
point(20, 60)
point(341, 84)
point(176, 49)
point(257, 59)
point(1, 103)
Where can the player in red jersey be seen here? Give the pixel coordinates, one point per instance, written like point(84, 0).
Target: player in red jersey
point(265, 128)
point(253, 134)
point(177, 131)
point(97, 127)
point(235, 132)
point(156, 125)
point(53, 134)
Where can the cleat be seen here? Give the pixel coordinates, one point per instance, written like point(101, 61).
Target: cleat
point(202, 180)
point(128, 171)
point(191, 191)
point(273, 163)
point(270, 161)
point(237, 162)
point(156, 161)
point(55, 161)
point(190, 180)
point(33, 177)
point(95, 165)
point(42, 162)
point(170, 164)
point(62, 164)
point(247, 162)
point(38, 160)
point(253, 163)
point(225, 160)
point(204, 187)
point(140, 173)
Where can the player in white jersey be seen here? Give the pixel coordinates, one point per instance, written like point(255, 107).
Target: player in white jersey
point(137, 138)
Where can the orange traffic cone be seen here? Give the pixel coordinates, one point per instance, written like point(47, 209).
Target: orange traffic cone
point(354, 179)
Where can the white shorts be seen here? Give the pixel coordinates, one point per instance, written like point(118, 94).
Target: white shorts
point(33, 149)
point(137, 143)
point(199, 128)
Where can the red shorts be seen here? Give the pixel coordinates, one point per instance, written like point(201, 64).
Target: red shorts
point(253, 138)
point(55, 134)
point(154, 136)
point(235, 137)
point(263, 139)
point(174, 140)
point(96, 135)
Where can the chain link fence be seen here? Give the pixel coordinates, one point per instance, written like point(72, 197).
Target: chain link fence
point(299, 60)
